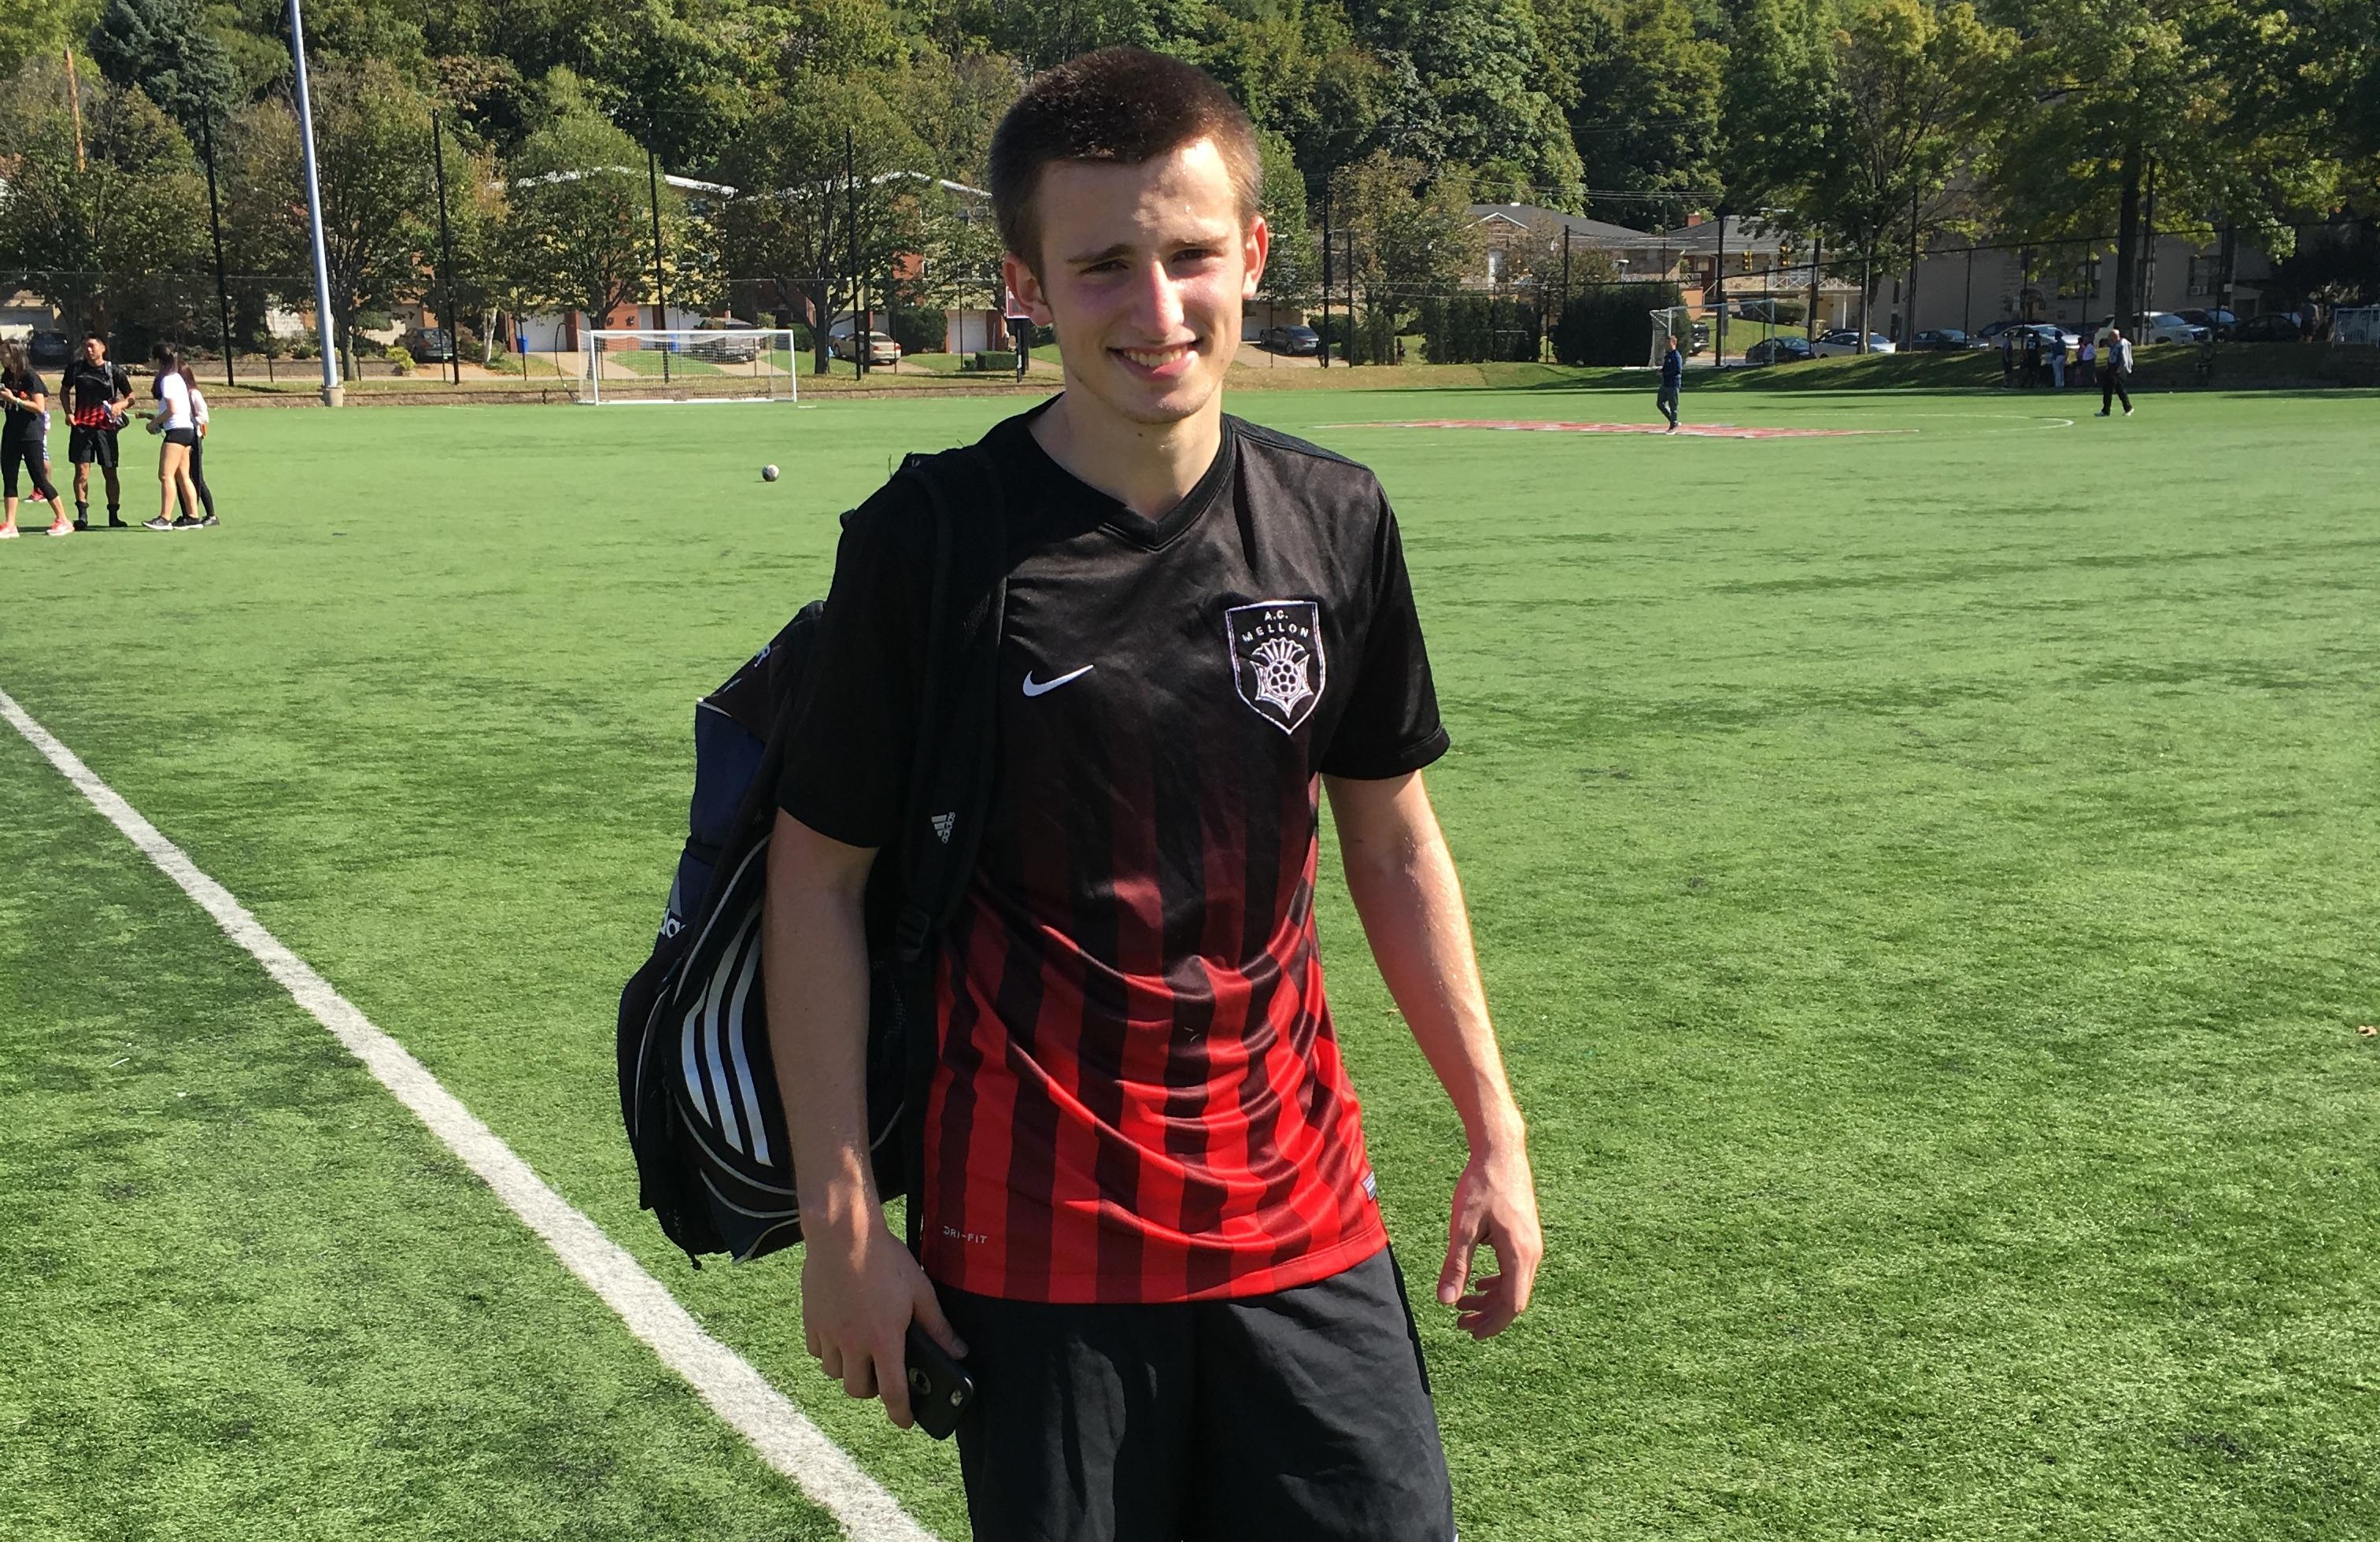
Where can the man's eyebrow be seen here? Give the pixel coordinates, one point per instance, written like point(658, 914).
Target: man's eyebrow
point(1125, 248)
point(1121, 248)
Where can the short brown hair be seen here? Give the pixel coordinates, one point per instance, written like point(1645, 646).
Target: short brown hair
point(1126, 105)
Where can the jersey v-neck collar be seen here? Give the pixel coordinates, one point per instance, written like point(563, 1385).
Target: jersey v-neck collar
point(1080, 505)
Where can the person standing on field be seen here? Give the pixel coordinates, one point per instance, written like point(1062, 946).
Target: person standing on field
point(1148, 1223)
point(1673, 380)
point(2115, 369)
point(172, 417)
point(199, 450)
point(24, 440)
point(97, 395)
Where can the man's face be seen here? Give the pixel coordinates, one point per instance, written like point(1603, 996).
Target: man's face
point(93, 350)
point(1144, 271)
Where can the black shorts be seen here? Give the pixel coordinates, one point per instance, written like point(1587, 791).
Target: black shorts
point(1300, 1416)
point(184, 437)
point(92, 447)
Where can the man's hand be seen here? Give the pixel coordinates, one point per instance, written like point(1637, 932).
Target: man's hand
point(859, 1295)
point(1494, 1203)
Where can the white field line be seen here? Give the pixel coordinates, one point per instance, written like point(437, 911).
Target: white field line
point(785, 1438)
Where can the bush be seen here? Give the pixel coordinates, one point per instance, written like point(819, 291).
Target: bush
point(402, 359)
point(1610, 324)
point(918, 329)
point(988, 361)
point(1477, 329)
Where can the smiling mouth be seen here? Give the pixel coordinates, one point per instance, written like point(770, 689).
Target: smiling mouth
point(1156, 359)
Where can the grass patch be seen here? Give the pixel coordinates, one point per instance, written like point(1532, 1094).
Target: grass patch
point(1928, 911)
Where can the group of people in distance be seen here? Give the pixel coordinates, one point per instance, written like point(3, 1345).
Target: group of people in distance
point(97, 395)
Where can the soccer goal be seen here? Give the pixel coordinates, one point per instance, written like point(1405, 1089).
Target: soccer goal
point(1746, 331)
point(2356, 326)
point(739, 364)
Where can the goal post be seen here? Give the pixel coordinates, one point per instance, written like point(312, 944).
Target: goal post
point(734, 364)
point(1733, 333)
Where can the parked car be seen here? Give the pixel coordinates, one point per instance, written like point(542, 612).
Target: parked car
point(2157, 326)
point(2272, 326)
point(881, 349)
point(1846, 341)
point(48, 348)
point(1296, 341)
point(2218, 321)
point(1779, 350)
point(1988, 334)
point(1776, 312)
point(1945, 340)
point(429, 345)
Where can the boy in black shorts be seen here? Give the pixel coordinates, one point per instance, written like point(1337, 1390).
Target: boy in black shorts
point(1148, 1221)
point(98, 395)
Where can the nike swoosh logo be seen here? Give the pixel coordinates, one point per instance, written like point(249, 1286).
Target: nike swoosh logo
point(1043, 687)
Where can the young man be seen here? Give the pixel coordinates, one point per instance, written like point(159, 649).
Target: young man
point(98, 394)
point(1149, 1222)
point(2115, 369)
point(1673, 380)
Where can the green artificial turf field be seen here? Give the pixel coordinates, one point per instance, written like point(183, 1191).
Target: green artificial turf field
point(1926, 878)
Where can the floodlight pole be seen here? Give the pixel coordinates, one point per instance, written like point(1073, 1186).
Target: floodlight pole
point(214, 223)
point(334, 393)
point(661, 275)
point(446, 251)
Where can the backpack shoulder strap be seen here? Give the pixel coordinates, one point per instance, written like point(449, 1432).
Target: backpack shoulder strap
point(951, 781)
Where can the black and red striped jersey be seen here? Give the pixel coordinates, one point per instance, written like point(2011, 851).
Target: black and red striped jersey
point(1140, 1095)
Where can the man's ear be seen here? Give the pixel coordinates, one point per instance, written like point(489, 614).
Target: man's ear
point(1026, 287)
point(1255, 244)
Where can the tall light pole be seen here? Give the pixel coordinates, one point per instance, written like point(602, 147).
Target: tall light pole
point(333, 393)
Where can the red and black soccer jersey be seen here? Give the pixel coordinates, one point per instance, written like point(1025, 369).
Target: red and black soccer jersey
point(1139, 1097)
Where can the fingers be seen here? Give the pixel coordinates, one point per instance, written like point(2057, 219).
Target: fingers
point(894, 1358)
point(928, 1308)
point(1456, 1272)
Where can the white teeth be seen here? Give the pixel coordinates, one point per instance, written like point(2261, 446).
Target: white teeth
point(1151, 359)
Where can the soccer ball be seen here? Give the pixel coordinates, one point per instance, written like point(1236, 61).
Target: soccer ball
point(768, 473)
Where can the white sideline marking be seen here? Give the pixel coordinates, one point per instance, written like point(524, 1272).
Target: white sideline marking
point(780, 1432)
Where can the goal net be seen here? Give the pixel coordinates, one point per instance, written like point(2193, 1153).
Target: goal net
point(738, 364)
point(2356, 326)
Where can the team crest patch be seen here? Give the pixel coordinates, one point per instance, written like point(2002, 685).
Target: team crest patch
point(1276, 660)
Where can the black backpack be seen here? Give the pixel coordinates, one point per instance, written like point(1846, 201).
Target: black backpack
point(698, 1084)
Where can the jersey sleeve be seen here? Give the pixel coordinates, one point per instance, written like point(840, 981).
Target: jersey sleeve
point(847, 755)
point(1392, 724)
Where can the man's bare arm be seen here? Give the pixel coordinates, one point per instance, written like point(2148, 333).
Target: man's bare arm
point(860, 1287)
point(1402, 880)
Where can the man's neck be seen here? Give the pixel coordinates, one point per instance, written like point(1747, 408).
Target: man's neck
point(1148, 467)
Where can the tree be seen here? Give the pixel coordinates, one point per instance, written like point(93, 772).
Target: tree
point(1776, 88)
point(2183, 101)
point(373, 163)
point(1641, 90)
point(1292, 267)
point(166, 48)
point(39, 29)
point(1409, 234)
point(1479, 61)
point(791, 219)
point(121, 214)
point(581, 222)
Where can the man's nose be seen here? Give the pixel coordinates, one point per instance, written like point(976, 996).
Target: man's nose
point(1157, 301)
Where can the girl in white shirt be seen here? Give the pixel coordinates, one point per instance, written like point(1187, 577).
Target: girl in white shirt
point(173, 418)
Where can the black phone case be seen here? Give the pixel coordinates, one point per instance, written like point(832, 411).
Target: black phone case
point(940, 1388)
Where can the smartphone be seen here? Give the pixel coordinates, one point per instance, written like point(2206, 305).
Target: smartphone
point(940, 1388)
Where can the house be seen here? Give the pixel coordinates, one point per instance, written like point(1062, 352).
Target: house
point(1969, 286)
point(1522, 239)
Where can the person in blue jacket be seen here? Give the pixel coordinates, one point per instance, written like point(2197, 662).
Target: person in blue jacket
point(1673, 376)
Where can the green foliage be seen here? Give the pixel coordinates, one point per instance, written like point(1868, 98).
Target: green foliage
point(39, 28)
point(166, 48)
point(1409, 232)
point(1293, 266)
point(1643, 97)
point(1609, 323)
point(129, 206)
point(580, 228)
point(1477, 328)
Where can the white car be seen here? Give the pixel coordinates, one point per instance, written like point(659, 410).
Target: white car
point(1846, 341)
point(2158, 326)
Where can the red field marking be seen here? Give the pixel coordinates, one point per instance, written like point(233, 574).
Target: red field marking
point(1699, 431)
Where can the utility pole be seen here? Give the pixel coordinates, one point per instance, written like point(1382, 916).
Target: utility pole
point(1326, 274)
point(2147, 290)
point(1719, 285)
point(1817, 265)
point(446, 254)
point(1967, 310)
point(660, 274)
point(333, 392)
point(1565, 300)
point(851, 230)
point(1909, 319)
point(214, 224)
